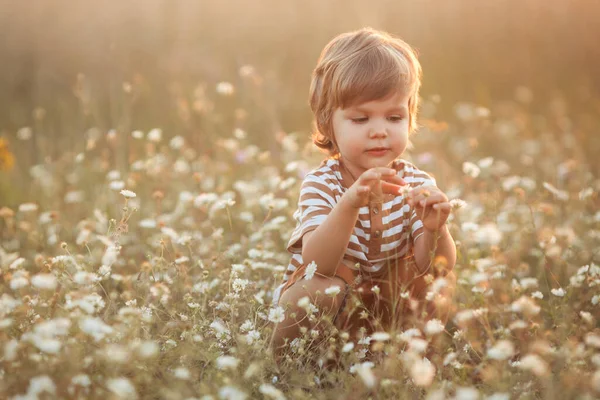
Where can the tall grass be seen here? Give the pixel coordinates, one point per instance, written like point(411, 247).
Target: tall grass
point(143, 264)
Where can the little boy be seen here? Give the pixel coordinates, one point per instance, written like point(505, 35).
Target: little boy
point(369, 223)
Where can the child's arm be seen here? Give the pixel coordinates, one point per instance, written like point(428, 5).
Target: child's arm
point(432, 208)
point(327, 244)
point(425, 243)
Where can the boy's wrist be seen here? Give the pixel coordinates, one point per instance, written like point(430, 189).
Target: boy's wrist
point(442, 230)
point(347, 205)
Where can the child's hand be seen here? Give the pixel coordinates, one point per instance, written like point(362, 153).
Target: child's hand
point(431, 205)
point(374, 182)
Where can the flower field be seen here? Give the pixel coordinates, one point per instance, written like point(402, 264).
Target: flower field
point(155, 279)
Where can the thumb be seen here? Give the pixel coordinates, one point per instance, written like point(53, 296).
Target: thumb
point(363, 191)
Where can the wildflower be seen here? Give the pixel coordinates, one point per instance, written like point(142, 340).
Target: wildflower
point(271, 391)
point(104, 271)
point(90, 303)
point(380, 336)
point(408, 334)
point(24, 133)
point(348, 347)
point(240, 284)
point(247, 325)
point(488, 234)
point(537, 295)
point(147, 223)
point(19, 280)
point(498, 396)
point(586, 193)
point(535, 364)
point(560, 194)
point(122, 388)
point(116, 353)
point(304, 302)
point(44, 281)
point(85, 278)
point(486, 162)
point(39, 385)
point(457, 204)
point(137, 134)
point(182, 373)
point(177, 142)
point(464, 316)
point(422, 372)
point(11, 350)
point(28, 207)
point(225, 88)
point(95, 327)
point(587, 317)
point(418, 345)
point(375, 289)
point(277, 314)
point(46, 343)
point(529, 283)
point(471, 169)
point(252, 336)
point(81, 380)
point(558, 292)
point(310, 270)
point(128, 194)
point(518, 324)
point(227, 362)
point(592, 340)
point(449, 358)
point(155, 135)
point(147, 349)
point(502, 350)
point(231, 393)
point(333, 290)
point(466, 393)
point(433, 327)
point(365, 372)
point(526, 306)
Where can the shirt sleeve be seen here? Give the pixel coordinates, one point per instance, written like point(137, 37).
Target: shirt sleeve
point(316, 201)
point(416, 178)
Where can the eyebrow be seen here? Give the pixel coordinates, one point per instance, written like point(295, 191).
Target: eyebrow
point(366, 111)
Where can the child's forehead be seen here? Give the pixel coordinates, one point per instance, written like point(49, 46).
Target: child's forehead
point(395, 100)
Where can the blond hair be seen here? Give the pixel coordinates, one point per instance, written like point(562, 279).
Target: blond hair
point(357, 67)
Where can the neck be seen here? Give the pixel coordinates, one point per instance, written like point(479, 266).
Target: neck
point(344, 164)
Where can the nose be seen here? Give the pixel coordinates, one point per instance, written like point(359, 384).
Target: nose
point(378, 131)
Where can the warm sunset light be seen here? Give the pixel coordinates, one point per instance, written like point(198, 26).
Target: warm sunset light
point(332, 199)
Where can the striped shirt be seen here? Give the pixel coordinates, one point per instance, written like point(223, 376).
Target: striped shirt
point(383, 230)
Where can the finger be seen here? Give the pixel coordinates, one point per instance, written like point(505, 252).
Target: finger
point(390, 188)
point(417, 200)
point(369, 177)
point(444, 207)
point(363, 190)
point(385, 171)
point(431, 200)
point(423, 189)
point(394, 179)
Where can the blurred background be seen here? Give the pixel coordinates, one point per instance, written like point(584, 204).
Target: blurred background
point(75, 74)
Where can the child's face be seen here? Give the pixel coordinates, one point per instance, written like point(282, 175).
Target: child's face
point(379, 124)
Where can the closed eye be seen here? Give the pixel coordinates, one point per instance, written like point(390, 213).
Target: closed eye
point(362, 120)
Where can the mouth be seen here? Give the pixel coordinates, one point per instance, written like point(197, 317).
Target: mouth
point(378, 150)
